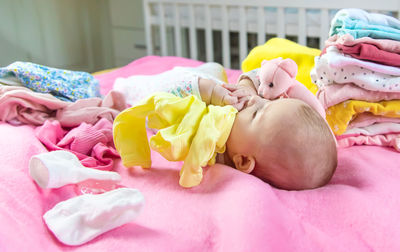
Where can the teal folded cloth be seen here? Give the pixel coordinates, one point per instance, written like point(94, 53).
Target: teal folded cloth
point(360, 23)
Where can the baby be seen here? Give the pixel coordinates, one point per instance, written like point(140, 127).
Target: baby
point(283, 142)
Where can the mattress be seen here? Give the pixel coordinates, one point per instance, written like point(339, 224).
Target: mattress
point(229, 211)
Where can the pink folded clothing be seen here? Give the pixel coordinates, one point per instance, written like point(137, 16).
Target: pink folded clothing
point(92, 110)
point(92, 144)
point(366, 119)
point(333, 94)
point(334, 67)
point(348, 40)
point(20, 105)
point(389, 140)
point(375, 129)
point(370, 52)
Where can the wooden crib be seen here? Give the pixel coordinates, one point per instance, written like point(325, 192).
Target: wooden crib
point(225, 30)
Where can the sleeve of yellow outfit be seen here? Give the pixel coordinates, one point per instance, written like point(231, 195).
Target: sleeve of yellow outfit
point(211, 136)
point(279, 47)
point(165, 112)
point(188, 131)
point(340, 115)
point(173, 140)
point(130, 137)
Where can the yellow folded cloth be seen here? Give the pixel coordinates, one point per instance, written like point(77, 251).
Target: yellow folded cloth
point(340, 115)
point(278, 47)
point(189, 131)
point(104, 71)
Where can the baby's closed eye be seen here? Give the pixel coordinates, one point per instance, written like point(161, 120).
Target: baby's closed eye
point(255, 113)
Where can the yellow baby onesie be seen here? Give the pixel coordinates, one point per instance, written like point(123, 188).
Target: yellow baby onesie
point(279, 47)
point(189, 131)
point(340, 115)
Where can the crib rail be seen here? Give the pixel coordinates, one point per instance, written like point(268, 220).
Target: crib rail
point(172, 26)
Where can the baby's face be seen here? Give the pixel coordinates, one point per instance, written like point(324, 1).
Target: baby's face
point(258, 123)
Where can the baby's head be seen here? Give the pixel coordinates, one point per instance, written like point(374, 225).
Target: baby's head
point(283, 142)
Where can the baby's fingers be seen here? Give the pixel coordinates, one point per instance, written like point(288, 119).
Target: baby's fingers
point(241, 104)
point(230, 100)
point(230, 87)
point(241, 93)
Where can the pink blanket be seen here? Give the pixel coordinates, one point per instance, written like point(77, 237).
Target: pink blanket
point(230, 211)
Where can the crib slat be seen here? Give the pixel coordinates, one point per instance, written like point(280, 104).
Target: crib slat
point(177, 31)
point(242, 34)
point(163, 34)
point(147, 27)
point(302, 32)
point(226, 54)
point(209, 38)
point(260, 25)
point(324, 28)
point(281, 22)
point(192, 33)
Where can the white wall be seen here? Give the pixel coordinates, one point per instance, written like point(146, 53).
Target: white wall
point(71, 34)
point(127, 30)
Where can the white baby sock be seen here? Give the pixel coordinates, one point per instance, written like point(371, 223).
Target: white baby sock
point(58, 168)
point(81, 219)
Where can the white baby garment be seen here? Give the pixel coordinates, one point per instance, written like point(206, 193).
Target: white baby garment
point(58, 168)
point(81, 219)
point(180, 81)
point(375, 129)
point(336, 68)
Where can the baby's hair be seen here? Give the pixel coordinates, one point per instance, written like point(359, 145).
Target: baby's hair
point(309, 133)
point(318, 124)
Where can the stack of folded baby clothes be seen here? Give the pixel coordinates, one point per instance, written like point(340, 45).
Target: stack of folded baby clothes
point(358, 77)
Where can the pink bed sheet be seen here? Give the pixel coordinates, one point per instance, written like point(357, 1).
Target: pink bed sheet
point(230, 211)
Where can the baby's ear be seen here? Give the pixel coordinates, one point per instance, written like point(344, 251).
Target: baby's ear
point(243, 163)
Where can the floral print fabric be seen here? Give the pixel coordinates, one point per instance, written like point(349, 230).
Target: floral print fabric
point(64, 84)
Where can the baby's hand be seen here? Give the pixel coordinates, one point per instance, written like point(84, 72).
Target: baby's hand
point(243, 94)
point(221, 96)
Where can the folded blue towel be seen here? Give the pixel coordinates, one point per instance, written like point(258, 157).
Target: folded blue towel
point(360, 23)
point(359, 29)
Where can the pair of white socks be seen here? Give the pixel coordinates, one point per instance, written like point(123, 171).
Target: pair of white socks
point(82, 218)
